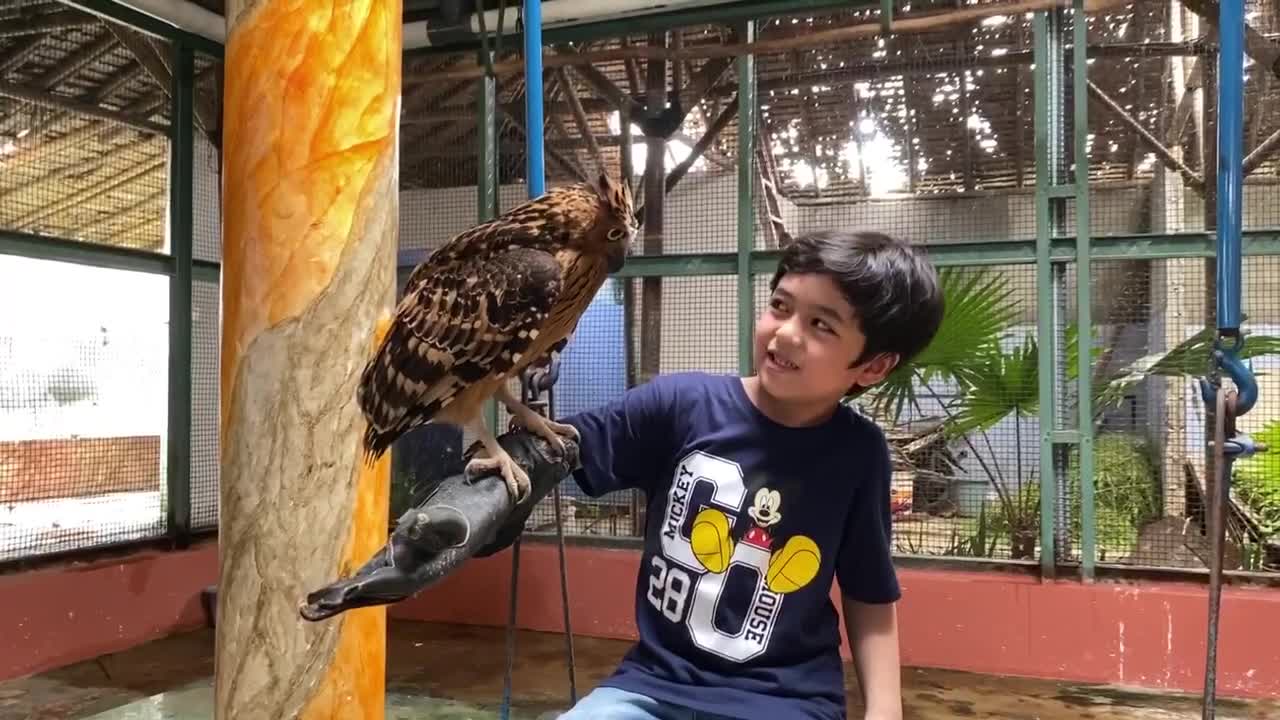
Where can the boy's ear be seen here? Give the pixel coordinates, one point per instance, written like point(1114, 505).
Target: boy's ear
point(876, 369)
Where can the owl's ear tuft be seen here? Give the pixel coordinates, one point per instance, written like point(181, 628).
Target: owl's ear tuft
point(604, 186)
point(616, 194)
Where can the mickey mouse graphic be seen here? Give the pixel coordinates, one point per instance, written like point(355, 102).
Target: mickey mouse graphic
point(785, 570)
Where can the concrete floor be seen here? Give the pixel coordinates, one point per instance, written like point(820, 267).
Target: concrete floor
point(170, 680)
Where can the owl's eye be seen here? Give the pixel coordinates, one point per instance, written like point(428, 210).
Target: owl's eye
point(616, 234)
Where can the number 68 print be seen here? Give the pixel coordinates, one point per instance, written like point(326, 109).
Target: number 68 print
point(688, 579)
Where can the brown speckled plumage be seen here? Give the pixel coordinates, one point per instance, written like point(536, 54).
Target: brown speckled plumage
point(495, 298)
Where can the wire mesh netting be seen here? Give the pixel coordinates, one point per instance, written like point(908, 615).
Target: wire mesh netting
point(899, 131)
point(439, 197)
point(83, 400)
point(1148, 419)
point(962, 421)
point(204, 405)
point(205, 294)
point(928, 134)
point(83, 131)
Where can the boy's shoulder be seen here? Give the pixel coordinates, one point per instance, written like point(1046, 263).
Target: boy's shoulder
point(681, 387)
point(864, 423)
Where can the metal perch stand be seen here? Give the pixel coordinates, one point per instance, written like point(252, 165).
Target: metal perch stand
point(460, 520)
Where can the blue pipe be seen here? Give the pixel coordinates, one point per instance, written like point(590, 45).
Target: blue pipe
point(1230, 204)
point(1230, 160)
point(533, 96)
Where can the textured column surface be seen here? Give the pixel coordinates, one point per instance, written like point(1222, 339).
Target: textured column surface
point(310, 219)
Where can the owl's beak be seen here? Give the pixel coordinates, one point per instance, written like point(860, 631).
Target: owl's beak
point(617, 256)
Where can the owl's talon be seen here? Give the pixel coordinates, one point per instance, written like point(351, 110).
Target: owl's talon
point(516, 478)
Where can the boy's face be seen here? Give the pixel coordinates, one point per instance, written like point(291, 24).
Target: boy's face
point(806, 342)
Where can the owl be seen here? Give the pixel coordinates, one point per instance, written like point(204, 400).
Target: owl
point(497, 297)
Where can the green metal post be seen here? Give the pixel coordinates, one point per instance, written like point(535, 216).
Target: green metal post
point(1044, 298)
point(1084, 317)
point(181, 229)
point(746, 205)
point(487, 180)
point(487, 175)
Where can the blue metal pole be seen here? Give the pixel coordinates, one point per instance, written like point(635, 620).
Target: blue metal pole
point(1230, 202)
point(533, 96)
point(1230, 160)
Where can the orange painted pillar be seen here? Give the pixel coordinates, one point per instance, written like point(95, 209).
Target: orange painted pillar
point(310, 215)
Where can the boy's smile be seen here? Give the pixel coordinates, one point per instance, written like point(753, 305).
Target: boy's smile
point(806, 343)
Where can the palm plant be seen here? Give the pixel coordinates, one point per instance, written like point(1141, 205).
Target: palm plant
point(972, 380)
point(976, 384)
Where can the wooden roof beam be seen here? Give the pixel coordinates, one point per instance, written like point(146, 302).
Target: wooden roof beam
point(146, 54)
point(518, 123)
point(79, 107)
point(41, 24)
point(74, 62)
point(579, 116)
point(18, 53)
point(835, 37)
point(1256, 45)
point(606, 89)
point(467, 112)
point(1259, 154)
point(112, 84)
point(106, 184)
point(1162, 152)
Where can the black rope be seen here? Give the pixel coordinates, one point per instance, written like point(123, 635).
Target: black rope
point(564, 581)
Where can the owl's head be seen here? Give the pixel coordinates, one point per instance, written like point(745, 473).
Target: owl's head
point(618, 226)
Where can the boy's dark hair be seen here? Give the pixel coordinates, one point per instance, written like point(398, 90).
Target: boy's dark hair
point(891, 285)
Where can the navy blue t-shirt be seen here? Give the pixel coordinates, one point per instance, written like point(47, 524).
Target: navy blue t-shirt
point(749, 522)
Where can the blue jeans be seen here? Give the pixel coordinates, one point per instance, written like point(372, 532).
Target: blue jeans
point(606, 703)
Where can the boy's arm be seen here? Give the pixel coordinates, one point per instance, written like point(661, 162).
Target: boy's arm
point(873, 641)
point(623, 441)
point(869, 584)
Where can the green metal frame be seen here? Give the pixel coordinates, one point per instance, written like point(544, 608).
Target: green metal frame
point(998, 252)
point(1084, 278)
point(1042, 46)
point(181, 234)
point(747, 112)
point(43, 247)
point(487, 177)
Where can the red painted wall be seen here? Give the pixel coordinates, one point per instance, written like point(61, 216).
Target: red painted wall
point(57, 616)
point(1150, 635)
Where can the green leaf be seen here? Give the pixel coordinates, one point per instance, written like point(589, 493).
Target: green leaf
point(1008, 383)
point(978, 309)
point(1257, 480)
point(1190, 358)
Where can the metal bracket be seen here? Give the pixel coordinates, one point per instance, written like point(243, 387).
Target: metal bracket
point(1227, 359)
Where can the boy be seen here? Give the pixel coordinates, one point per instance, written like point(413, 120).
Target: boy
point(760, 491)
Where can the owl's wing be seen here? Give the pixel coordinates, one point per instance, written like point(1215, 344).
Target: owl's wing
point(464, 317)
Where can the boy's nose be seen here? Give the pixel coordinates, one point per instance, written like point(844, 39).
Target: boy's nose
point(788, 333)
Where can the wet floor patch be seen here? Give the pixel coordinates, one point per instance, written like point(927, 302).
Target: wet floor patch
point(170, 679)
